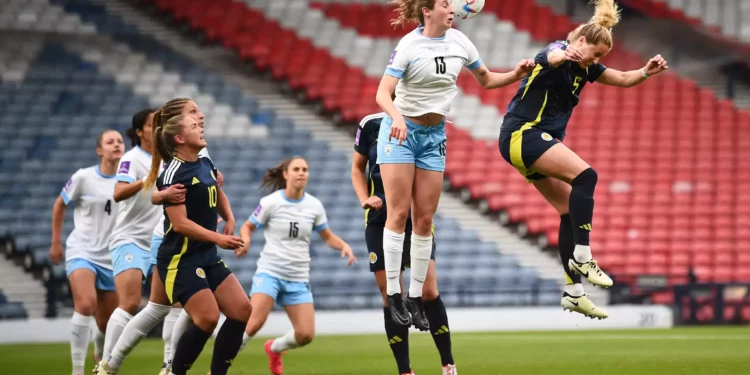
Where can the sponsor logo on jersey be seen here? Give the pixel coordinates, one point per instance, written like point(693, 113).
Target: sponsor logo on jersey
point(195, 181)
point(200, 272)
point(124, 167)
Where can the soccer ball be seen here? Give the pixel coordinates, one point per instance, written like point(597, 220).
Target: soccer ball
point(467, 8)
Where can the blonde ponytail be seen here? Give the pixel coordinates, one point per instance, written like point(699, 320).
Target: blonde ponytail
point(163, 146)
point(599, 28)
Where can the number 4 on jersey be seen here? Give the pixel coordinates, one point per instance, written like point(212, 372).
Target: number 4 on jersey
point(108, 207)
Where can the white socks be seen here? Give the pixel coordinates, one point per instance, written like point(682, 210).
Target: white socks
point(582, 253)
point(421, 249)
point(115, 326)
point(575, 290)
point(284, 343)
point(393, 248)
point(245, 339)
point(166, 334)
point(182, 324)
point(98, 343)
point(136, 329)
point(80, 334)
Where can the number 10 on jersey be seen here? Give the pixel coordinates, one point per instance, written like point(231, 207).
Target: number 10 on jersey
point(213, 196)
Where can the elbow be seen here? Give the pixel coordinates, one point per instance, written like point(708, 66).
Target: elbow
point(179, 227)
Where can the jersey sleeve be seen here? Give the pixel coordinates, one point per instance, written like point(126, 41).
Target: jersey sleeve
point(127, 172)
point(595, 71)
point(321, 219)
point(260, 216)
point(361, 141)
point(72, 189)
point(399, 59)
point(541, 58)
point(173, 174)
point(473, 61)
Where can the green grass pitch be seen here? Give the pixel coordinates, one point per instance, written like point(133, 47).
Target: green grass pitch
point(682, 351)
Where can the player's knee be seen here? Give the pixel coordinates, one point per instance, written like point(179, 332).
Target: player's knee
point(86, 306)
point(242, 310)
point(422, 225)
point(130, 305)
point(304, 337)
point(206, 322)
point(586, 180)
point(397, 218)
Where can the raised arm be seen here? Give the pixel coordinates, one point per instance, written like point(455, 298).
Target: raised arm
point(492, 80)
point(613, 77)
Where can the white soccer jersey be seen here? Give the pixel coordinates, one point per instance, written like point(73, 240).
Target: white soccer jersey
point(94, 215)
point(428, 69)
point(288, 226)
point(159, 229)
point(137, 217)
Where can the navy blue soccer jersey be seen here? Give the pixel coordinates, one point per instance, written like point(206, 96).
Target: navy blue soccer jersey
point(366, 144)
point(548, 95)
point(201, 201)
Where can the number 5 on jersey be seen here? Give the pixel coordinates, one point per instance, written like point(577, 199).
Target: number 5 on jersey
point(213, 196)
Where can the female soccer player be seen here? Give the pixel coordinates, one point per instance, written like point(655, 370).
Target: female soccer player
point(193, 273)
point(158, 308)
point(532, 131)
point(87, 260)
point(366, 152)
point(289, 216)
point(130, 240)
point(412, 144)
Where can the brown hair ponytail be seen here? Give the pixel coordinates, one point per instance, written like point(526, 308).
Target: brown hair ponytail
point(274, 177)
point(411, 11)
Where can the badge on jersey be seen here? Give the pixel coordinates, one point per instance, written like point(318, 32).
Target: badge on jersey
point(200, 272)
point(393, 56)
point(258, 210)
point(373, 258)
point(356, 140)
point(68, 185)
point(124, 167)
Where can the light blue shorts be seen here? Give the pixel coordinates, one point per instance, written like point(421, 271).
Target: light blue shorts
point(105, 279)
point(155, 243)
point(424, 146)
point(284, 292)
point(130, 256)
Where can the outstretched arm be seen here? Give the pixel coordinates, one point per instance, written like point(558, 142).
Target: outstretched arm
point(492, 80)
point(613, 77)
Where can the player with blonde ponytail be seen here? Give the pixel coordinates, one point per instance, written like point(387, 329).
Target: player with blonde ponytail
point(534, 127)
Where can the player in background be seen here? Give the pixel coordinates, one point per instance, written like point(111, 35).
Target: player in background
point(534, 126)
point(412, 144)
point(158, 308)
point(188, 262)
point(288, 216)
point(130, 240)
point(369, 190)
point(87, 261)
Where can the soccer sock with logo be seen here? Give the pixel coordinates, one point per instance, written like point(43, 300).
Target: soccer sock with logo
point(227, 345)
point(441, 334)
point(79, 340)
point(393, 249)
point(136, 329)
point(566, 245)
point(166, 333)
point(581, 206)
point(421, 248)
point(115, 326)
point(188, 349)
point(398, 338)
